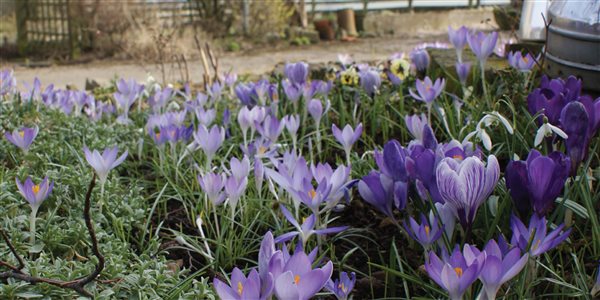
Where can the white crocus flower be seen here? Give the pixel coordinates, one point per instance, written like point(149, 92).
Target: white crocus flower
point(547, 130)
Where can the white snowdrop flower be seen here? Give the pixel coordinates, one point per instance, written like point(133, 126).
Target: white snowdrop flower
point(547, 130)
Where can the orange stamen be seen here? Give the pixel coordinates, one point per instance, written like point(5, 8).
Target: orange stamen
point(35, 189)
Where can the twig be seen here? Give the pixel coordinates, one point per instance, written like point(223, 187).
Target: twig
point(77, 285)
point(14, 252)
point(206, 74)
point(92, 232)
point(214, 61)
point(543, 59)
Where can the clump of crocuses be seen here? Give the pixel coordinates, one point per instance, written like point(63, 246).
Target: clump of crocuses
point(279, 273)
point(455, 272)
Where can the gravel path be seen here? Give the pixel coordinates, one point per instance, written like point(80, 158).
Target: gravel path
point(253, 62)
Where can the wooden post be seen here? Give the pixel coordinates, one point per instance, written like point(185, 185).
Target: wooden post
point(22, 13)
point(303, 15)
point(72, 31)
point(246, 16)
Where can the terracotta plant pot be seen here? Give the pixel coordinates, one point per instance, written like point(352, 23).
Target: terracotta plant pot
point(325, 29)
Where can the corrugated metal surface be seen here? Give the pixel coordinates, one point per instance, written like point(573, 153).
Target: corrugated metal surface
point(333, 5)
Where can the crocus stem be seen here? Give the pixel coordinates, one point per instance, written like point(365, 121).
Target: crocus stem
point(318, 140)
point(174, 157)
point(348, 157)
point(468, 234)
point(483, 85)
point(429, 113)
point(102, 190)
point(216, 221)
point(32, 219)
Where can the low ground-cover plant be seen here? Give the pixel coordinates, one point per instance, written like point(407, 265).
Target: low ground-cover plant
point(380, 176)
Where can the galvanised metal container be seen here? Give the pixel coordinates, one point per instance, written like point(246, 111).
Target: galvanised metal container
point(573, 46)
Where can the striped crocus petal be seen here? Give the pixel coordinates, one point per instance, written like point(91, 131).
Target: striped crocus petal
point(467, 184)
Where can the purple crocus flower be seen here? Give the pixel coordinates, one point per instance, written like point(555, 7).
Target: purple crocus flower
point(347, 137)
point(454, 273)
point(370, 81)
point(23, 137)
point(270, 128)
point(259, 174)
point(297, 73)
point(315, 108)
point(536, 182)
point(245, 92)
point(214, 91)
point(465, 185)
point(343, 286)
point(298, 280)
point(235, 188)
point(382, 192)
point(337, 180)
point(292, 90)
point(428, 90)
point(172, 133)
point(103, 163)
point(421, 166)
point(8, 83)
point(552, 96)
point(458, 38)
point(500, 267)
point(229, 78)
point(127, 93)
point(426, 233)
point(160, 98)
point(33, 92)
point(209, 141)
point(261, 88)
point(159, 135)
point(520, 62)
point(306, 229)
point(421, 59)
point(292, 124)
point(247, 118)
point(241, 288)
point(482, 44)
point(575, 122)
point(315, 87)
point(129, 88)
point(265, 253)
point(205, 117)
point(463, 70)
point(212, 184)
point(236, 184)
point(541, 240)
point(35, 194)
point(391, 161)
point(418, 127)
